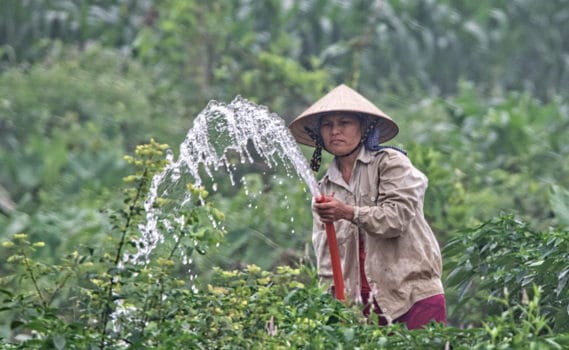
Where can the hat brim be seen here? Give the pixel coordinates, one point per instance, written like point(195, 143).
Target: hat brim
point(341, 99)
point(388, 128)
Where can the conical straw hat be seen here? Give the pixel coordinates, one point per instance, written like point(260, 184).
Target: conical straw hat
point(341, 99)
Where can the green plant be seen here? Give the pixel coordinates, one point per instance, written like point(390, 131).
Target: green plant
point(505, 254)
point(249, 308)
point(99, 295)
point(65, 124)
point(485, 154)
point(28, 27)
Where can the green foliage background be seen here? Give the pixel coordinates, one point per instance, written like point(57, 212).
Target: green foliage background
point(479, 90)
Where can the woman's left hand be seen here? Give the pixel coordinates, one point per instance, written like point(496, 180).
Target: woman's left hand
point(331, 209)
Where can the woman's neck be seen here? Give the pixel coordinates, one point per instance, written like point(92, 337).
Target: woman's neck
point(346, 165)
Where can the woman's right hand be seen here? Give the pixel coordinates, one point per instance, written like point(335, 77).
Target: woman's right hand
point(330, 209)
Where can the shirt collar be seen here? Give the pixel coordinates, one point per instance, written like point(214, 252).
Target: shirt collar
point(334, 175)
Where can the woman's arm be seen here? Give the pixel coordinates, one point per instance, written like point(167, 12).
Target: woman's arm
point(400, 194)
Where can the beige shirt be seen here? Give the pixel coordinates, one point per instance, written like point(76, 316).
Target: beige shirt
point(403, 260)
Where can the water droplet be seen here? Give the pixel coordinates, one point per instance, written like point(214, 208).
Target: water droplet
point(169, 155)
point(219, 140)
point(175, 174)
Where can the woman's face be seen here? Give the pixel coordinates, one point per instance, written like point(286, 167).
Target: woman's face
point(341, 132)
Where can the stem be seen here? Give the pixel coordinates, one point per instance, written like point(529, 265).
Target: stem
point(107, 309)
point(174, 249)
point(160, 293)
point(34, 281)
point(59, 287)
point(130, 216)
point(148, 304)
point(152, 303)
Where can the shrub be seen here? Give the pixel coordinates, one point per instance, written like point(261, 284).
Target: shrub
point(504, 257)
point(101, 298)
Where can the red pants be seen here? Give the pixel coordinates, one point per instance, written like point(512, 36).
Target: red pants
point(421, 313)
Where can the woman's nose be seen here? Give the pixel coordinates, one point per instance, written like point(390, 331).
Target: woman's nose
point(334, 129)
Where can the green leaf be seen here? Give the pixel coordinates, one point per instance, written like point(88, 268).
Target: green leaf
point(563, 277)
point(7, 292)
point(38, 325)
point(536, 263)
point(16, 324)
point(463, 289)
point(59, 341)
point(559, 201)
point(349, 335)
point(457, 276)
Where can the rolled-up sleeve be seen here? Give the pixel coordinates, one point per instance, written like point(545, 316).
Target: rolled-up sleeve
point(401, 191)
point(321, 250)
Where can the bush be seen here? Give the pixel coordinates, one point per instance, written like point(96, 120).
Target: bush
point(102, 298)
point(504, 257)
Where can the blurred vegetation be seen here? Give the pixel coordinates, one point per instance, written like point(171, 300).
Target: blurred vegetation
point(479, 90)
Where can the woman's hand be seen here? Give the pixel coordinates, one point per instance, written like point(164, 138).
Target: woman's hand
point(331, 209)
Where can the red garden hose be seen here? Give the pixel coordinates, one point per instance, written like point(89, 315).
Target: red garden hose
point(334, 257)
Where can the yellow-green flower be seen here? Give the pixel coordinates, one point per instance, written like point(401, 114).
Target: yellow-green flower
point(264, 281)
point(130, 178)
point(216, 290)
point(228, 274)
point(179, 282)
point(253, 268)
point(8, 244)
point(295, 284)
point(165, 262)
point(14, 258)
point(20, 236)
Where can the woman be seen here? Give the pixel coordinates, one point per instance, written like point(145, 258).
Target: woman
point(390, 258)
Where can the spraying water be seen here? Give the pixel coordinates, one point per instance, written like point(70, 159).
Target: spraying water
point(220, 132)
